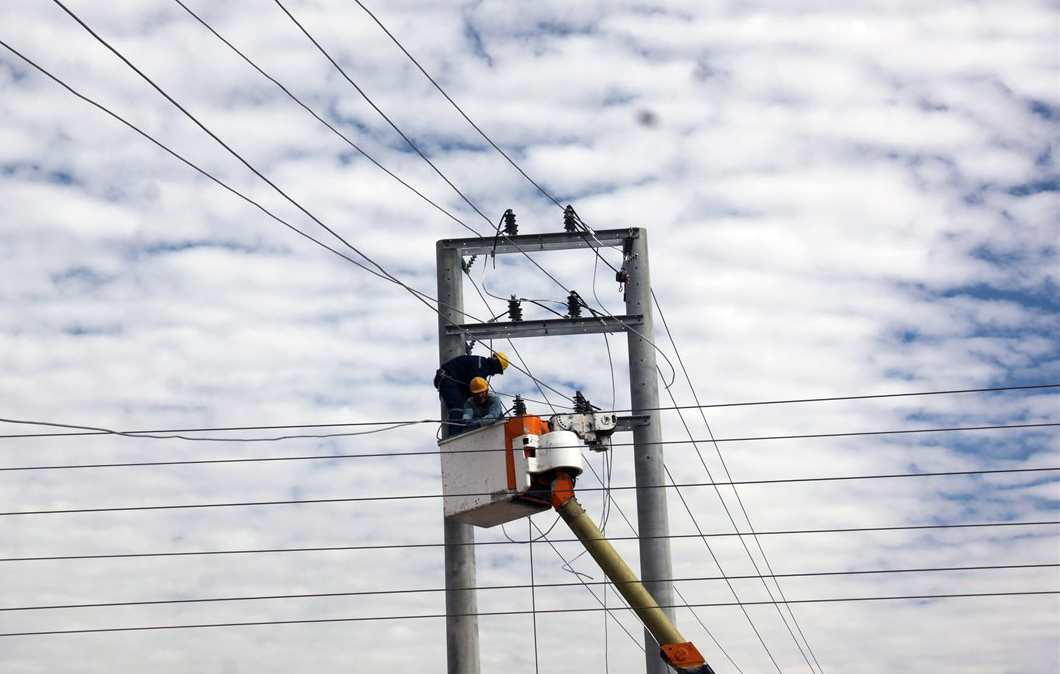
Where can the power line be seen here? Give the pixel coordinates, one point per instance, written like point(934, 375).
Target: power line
point(382, 273)
point(728, 514)
point(408, 497)
point(431, 590)
point(201, 171)
point(404, 546)
point(435, 452)
point(876, 396)
point(320, 119)
point(377, 109)
point(228, 148)
point(919, 597)
point(458, 108)
point(567, 565)
point(91, 431)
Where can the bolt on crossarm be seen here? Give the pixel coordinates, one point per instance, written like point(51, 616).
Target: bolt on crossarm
point(676, 651)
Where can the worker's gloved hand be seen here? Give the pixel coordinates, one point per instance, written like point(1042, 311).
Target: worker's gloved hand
point(474, 423)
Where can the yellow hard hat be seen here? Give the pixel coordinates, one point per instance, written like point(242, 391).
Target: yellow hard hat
point(478, 385)
point(503, 359)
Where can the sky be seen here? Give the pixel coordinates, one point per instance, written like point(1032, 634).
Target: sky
point(843, 200)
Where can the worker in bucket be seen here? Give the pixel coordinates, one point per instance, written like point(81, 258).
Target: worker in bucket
point(453, 382)
point(482, 408)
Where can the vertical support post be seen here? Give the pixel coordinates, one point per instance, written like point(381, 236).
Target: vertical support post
point(656, 570)
point(461, 603)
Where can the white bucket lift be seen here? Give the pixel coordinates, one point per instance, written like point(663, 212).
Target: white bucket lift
point(488, 473)
point(520, 466)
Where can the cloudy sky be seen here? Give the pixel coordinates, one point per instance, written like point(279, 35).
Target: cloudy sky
point(842, 199)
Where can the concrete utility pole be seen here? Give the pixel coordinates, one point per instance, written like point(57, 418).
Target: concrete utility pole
point(653, 522)
point(461, 603)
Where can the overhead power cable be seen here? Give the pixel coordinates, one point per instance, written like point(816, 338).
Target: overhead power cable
point(86, 429)
point(320, 119)
point(310, 621)
point(156, 435)
point(423, 297)
point(201, 171)
point(806, 653)
point(382, 272)
point(423, 156)
point(537, 586)
point(607, 610)
point(195, 120)
point(457, 107)
point(411, 546)
point(382, 114)
point(410, 497)
point(435, 452)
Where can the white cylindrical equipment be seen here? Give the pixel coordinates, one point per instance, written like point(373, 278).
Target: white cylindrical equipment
point(558, 449)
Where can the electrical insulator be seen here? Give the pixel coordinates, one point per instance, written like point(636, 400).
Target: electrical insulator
point(468, 346)
point(581, 405)
point(515, 312)
point(518, 406)
point(569, 223)
point(510, 228)
point(574, 305)
point(466, 264)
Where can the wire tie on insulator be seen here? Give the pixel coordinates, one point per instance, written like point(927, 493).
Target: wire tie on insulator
point(574, 305)
point(510, 228)
point(515, 311)
point(569, 223)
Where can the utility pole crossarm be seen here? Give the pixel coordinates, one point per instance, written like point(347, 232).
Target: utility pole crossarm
point(545, 328)
point(535, 243)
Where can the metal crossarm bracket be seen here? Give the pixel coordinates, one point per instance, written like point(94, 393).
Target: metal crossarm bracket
point(535, 243)
point(551, 327)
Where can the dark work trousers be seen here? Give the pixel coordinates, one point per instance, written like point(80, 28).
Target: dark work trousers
point(453, 396)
